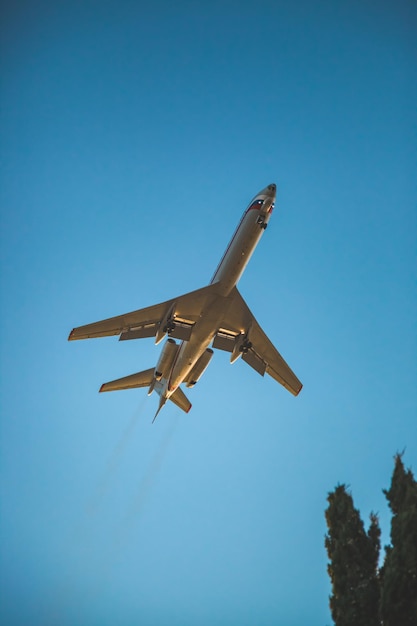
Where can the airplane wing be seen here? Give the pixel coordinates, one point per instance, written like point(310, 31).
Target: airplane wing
point(238, 321)
point(146, 322)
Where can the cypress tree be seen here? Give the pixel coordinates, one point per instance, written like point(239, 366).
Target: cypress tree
point(399, 572)
point(353, 566)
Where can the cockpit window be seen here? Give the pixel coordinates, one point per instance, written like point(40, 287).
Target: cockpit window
point(256, 205)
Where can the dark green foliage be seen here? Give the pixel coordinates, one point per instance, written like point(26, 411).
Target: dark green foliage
point(399, 573)
point(353, 567)
point(361, 594)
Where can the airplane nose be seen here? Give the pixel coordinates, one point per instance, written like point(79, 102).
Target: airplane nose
point(270, 190)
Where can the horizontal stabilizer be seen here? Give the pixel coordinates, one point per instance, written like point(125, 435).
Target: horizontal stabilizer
point(180, 399)
point(141, 379)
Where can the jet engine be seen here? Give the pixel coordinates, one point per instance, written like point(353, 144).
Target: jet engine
point(166, 359)
point(199, 368)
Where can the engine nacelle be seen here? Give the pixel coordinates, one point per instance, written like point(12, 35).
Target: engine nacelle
point(166, 359)
point(199, 368)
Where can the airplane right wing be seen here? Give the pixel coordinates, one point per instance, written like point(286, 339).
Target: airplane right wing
point(147, 322)
point(240, 325)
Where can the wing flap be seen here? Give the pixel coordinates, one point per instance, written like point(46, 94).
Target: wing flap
point(147, 318)
point(224, 341)
point(262, 356)
point(145, 322)
point(252, 359)
point(181, 331)
point(148, 330)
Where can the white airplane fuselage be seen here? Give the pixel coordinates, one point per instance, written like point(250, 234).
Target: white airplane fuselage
point(226, 276)
point(215, 315)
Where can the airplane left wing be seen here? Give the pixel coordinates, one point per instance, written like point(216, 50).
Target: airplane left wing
point(181, 313)
point(241, 333)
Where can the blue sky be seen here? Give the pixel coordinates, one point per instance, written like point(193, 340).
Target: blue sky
point(133, 137)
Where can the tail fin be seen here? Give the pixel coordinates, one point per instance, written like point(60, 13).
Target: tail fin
point(180, 399)
point(141, 379)
point(162, 400)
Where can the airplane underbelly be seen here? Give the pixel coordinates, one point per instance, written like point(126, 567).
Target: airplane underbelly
point(201, 336)
point(239, 253)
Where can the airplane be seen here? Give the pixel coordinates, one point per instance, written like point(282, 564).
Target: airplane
point(215, 315)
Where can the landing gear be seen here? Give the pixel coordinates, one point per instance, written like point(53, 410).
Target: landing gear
point(242, 346)
point(169, 326)
point(245, 347)
point(261, 222)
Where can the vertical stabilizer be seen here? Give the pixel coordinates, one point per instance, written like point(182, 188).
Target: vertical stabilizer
point(162, 401)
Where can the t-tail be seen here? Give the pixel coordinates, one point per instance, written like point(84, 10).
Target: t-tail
point(156, 379)
point(162, 401)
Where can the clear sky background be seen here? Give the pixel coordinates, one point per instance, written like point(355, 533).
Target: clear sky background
point(134, 135)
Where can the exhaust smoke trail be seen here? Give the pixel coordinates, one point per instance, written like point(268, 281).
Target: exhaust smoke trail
point(113, 463)
point(121, 538)
point(148, 480)
point(82, 535)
